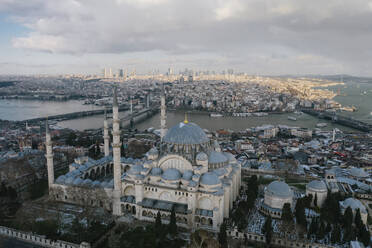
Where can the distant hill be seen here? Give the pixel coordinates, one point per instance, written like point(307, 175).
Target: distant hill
point(4, 84)
point(337, 77)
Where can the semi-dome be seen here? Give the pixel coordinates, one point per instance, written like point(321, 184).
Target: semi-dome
point(210, 178)
point(156, 171)
point(87, 182)
point(279, 189)
point(186, 134)
point(354, 204)
point(230, 157)
point(358, 172)
point(77, 181)
point(171, 174)
point(217, 157)
point(135, 169)
point(317, 185)
point(69, 180)
point(201, 156)
point(187, 175)
point(61, 179)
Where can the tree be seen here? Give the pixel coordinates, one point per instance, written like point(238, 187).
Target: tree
point(267, 229)
point(365, 236)
point(313, 227)
point(287, 218)
point(358, 219)
point(316, 200)
point(158, 224)
point(348, 217)
point(300, 213)
point(12, 193)
point(321, 231)
point(328, 228)
point(172, 227)
point(222, 236)
point(3, 190)
point(287, 215)
point(336, 234)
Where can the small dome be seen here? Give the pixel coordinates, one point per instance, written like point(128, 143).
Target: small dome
point(187, 175)
point(171, 174)
point(185, 134)
point(135, 169)
point(96, 184)
point(217, 157)
point(317, 185)
point(358, 172)
point(153, 151)
point(61, 179)
point(230, 156)
point(201, 156)
point(69, 180)
point(77, 181)
point(220, 172)
point(354, 204)
point(210, 178)
point(87, 182)
point(279, 189)
point(156, 171)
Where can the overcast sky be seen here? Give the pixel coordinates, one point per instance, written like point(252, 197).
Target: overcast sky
point(254, 36)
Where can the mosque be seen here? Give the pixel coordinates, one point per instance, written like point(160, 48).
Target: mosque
point(187, 172)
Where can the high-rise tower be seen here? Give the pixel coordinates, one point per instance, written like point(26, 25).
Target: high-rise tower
point(49, 155)
point(116, 144)
point(106, 136)
point(162, 114)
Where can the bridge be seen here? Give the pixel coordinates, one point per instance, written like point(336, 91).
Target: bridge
point(339, 119)
point(80, 114)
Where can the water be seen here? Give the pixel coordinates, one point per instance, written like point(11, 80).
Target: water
point(25, 109)
point(17, 110)
point(358, 95)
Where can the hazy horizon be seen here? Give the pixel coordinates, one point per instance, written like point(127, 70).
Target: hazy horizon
point(256, 37)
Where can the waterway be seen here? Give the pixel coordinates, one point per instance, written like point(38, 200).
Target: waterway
point(17, 110)
point(351, 94)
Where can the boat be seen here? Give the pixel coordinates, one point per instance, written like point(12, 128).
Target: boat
point(298, 112)
point(322, 124)
point(292, 118)
point(215, 115)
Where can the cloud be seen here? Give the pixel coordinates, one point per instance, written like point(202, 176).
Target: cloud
point(333, 31)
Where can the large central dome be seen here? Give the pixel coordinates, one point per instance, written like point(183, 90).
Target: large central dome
point(186, 134)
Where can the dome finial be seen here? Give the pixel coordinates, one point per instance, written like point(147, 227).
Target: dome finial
point(185, 121)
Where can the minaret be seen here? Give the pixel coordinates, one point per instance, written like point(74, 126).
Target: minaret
point(116, 144)
point(106, 136)
point(49, 155)
point(162, 114)
point(334, 135)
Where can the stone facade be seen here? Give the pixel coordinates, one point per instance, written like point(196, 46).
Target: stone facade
point(187, 172)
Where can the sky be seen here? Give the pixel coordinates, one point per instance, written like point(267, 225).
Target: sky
point(270, 37)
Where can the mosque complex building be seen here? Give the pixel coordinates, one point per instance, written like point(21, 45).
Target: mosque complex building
point(186, 172)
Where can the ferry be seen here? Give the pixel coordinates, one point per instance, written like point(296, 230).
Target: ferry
point(292, 118)
point(321, 124)
point(214, 115)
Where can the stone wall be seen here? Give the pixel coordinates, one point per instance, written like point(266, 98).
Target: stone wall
point(275, 241)
point(39, 239)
